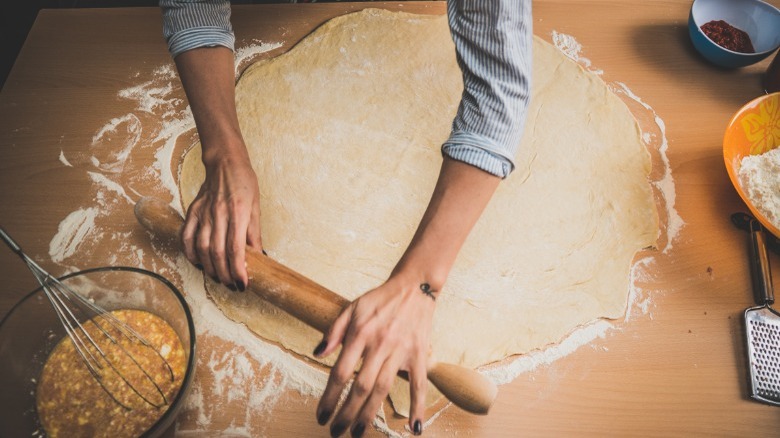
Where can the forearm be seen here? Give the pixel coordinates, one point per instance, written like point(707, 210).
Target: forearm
point(389, 327)
point(225, 216)
point(461, 194)
point(209, 82)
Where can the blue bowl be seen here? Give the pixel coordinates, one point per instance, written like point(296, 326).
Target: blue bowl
point(761, 21)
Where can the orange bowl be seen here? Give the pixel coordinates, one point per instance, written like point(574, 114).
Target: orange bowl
point(755, 129)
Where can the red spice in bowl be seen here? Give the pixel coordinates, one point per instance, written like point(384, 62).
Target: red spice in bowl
point(728, 36)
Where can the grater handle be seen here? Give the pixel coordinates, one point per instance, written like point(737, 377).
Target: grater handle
point(759, 266)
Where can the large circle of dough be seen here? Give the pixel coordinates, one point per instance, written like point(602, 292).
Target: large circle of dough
point(344, 133)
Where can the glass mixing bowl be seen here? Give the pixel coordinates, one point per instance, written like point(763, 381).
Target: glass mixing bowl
point(31, 330)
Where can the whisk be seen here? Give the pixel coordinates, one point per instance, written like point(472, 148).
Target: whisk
point(75, 311)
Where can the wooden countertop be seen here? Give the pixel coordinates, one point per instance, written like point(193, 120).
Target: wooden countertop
point(676, 369)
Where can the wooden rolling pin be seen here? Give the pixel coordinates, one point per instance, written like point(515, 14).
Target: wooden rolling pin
point(317, 306)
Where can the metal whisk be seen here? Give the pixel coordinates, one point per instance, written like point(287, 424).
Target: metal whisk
point(73, 311)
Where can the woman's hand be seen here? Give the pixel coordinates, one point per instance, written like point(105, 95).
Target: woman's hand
point(223, 219)
point(225, 216)
point(389, 329)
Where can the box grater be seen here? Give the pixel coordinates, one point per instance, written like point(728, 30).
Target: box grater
point(762, 325)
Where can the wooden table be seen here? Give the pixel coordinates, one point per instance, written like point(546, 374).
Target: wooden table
point(677, 369)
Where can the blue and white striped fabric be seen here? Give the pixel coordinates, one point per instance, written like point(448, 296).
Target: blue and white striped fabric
point(189, 24)
point(493, 43)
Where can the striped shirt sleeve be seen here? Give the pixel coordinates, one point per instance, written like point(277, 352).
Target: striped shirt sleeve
point(493, 45)
point(189, 24)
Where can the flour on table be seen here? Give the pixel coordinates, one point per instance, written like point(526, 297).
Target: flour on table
point(573, 49)
point(71, 232)
point(759, 176)
point(154, 96)
point(249, 54)
point(665, 184)
point(64, 160)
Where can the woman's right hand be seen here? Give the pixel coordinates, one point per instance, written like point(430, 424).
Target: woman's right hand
point(224, 218)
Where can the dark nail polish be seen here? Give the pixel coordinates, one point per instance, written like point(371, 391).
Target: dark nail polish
point(417, 427)
point(358, 429)
point(240, 285)
point(215, 279)
point(199, 266)
point(337, 429)
point(320, 348)
point(231, 287)
point(323, 418)
point(264, 253)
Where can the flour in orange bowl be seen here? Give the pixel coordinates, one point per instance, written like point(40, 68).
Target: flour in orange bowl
point(759, 176)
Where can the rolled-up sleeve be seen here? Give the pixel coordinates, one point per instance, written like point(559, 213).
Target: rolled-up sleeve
point(189, 24)
point(493, 45)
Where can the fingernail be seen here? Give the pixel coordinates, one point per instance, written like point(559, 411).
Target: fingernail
point(358, 430)
point(240, 285)
point(215, 279)
point(320, 348)
point(337, 429)
point(323, 417)
point(231, 287)
point(199, 266)
point(264, 253)
point(417, 427)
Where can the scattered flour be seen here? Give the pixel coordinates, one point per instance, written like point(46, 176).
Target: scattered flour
point(573, 49)
point(64, 160)
point(639, 299)
point(759, 176)
point(71, 232)
point(248, 54)
point(115, 141)
point(665, 185)
point(154, 96)
point(107, 184)
point(584, 335)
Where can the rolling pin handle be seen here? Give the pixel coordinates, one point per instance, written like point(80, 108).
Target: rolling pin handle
point(466, 388)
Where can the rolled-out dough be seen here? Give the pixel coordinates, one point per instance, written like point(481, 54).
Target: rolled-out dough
point(344, 132)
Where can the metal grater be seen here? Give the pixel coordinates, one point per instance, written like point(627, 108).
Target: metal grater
point(762, 325)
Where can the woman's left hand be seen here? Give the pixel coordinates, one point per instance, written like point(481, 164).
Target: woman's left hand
point(389, 329)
